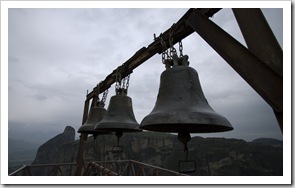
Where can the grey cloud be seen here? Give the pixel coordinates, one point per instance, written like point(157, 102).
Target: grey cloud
point(226, 20)
point(13, 60)
point(55, 55)
point(65, 89)
point(277, 22)
point(40, 97)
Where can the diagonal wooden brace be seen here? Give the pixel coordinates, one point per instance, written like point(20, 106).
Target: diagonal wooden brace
point(267, 83)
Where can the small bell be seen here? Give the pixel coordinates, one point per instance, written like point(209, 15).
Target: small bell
point(96, 114)
point(119, 116)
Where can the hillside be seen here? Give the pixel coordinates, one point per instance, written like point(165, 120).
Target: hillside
point(213, 156)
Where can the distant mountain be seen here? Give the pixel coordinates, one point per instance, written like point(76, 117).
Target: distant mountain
point(268, 141)
point(49, 151)
point(16, 145)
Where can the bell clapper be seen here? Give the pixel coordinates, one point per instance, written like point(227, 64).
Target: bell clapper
point(118, 135)
point(184, 137)
point(94, 136)
point(186, 150)
point(185, 166)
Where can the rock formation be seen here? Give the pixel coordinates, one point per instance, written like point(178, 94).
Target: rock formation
point(49, 152)
point(213, 156)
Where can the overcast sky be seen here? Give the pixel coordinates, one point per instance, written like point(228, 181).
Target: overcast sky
point(56, 55)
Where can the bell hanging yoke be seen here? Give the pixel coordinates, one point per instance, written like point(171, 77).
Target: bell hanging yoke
point(181, 105)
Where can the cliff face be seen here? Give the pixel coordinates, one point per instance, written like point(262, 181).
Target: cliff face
point(213, 156)
point(50, 151)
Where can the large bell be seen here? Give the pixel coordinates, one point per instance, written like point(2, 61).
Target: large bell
point(119, 116)
point(96, 114)
point(181, 105)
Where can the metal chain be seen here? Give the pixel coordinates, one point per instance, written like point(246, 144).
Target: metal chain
point(104, 96)
point(123, 83)
point(163, 57)
point(97, 95)
point(165, 54)
point(180, 49)
point(127, 83)
point(172, 51)
point(118, 79)
point(120, 83)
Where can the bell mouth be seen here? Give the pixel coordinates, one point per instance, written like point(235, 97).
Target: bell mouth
point(119, 128)
point(181, 105)
point(191, 128)
point(119, 116)
point(194, 122)
point(89, 129)
point(125, 125)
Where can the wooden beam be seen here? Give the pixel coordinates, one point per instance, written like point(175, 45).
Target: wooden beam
point(259, 37)
point(266, 82)
point(261, 42)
